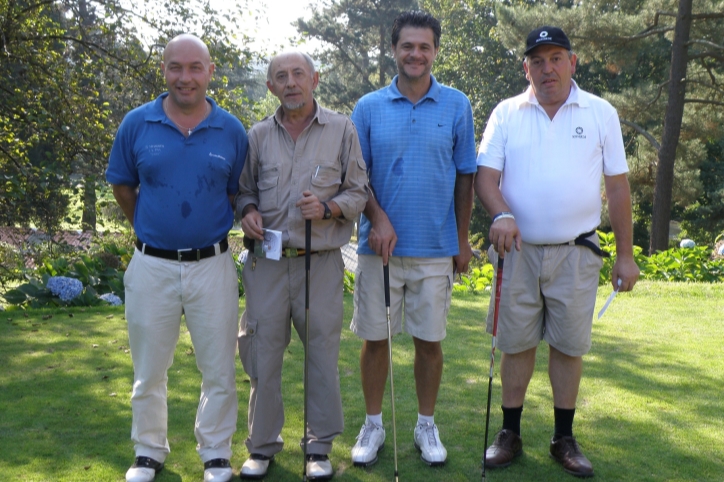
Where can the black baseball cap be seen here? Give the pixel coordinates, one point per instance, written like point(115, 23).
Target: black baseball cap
point(546, 36)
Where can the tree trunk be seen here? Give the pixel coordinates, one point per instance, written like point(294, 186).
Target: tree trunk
point(661, 216)
point(88, 221)
point(382, 55)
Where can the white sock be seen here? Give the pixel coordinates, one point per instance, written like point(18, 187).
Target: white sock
point(425, 419)
point(376, 419)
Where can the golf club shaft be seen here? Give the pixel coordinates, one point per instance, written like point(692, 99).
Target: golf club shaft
point(386, 270)
point(307, 266)
point(496, 309)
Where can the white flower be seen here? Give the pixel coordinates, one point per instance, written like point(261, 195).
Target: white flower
point(112, 299)
point(687, 243)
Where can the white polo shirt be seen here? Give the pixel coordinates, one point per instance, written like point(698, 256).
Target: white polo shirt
point(551, 169)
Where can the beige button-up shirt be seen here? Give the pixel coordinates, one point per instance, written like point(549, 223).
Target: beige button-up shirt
point(326, 159)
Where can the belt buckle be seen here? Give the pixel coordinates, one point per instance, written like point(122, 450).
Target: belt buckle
point(178, 253)
point(291, 252)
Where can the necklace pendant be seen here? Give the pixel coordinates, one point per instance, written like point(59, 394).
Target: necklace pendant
point(190, 131)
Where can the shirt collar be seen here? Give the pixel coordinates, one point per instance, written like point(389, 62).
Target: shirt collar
point(433, 92)
point(320, 115)
point(574, 97)
point(157, 114)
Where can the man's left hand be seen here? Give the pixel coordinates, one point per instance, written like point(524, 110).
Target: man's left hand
point(626, 270)
point(462, 260)
point(311, 206)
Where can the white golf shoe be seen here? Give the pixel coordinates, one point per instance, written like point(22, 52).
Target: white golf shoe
point(217, 470)
point(427, 441)
point(256, 467)
point(144, 469)
point(370, 440)
point(319, 467)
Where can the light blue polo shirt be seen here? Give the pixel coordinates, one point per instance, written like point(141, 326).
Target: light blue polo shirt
point(184, 182)
point(413, 154)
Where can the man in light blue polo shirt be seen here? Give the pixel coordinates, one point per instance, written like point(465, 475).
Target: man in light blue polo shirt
point(175, 167)
point(418, 142)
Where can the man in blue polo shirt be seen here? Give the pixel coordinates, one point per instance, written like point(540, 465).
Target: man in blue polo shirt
point(418, 142)
point(174, 167)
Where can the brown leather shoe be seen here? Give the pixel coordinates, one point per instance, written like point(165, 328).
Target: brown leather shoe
point(506, 446)
point(566, 452)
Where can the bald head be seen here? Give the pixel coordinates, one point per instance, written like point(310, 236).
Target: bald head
point(188, 69)
point(287, 56)
point(186, 41)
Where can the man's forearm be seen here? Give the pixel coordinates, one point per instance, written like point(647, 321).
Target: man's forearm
point(487, 188)
point(463, 204)
point(619, 209)
point(126, 197)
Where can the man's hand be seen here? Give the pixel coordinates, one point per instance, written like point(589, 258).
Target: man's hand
point(252, 224)
point(382, 238)
point(311, 206)
point(462, 260)
point(626, 270)
point(503, 234)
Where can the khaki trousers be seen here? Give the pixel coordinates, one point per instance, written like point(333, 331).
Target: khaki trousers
point(207, 291)
point(275, 299)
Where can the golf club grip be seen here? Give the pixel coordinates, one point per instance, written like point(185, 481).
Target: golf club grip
point(386, 271)
point(498, 286)
point(308, 244)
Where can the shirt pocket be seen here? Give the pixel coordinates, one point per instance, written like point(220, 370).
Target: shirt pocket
point(268, 192)
point(326, 181)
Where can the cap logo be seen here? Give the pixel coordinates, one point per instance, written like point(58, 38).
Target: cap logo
point(544, 33)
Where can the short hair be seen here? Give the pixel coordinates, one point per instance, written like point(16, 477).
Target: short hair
point(418, 19)
point(305, 56)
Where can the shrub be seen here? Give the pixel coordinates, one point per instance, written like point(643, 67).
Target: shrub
point(674, 264)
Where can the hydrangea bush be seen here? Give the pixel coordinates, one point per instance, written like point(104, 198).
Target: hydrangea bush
point(64, 288)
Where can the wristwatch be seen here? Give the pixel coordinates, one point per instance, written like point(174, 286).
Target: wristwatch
point(327, 212)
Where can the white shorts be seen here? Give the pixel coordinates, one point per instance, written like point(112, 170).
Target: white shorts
point(422, 285)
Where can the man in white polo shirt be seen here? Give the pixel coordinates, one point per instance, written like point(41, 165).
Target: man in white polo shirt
point(539, 172)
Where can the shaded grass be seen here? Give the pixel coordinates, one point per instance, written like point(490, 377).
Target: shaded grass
point(649, 408)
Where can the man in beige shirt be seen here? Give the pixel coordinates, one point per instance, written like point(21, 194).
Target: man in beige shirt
point(304, 163)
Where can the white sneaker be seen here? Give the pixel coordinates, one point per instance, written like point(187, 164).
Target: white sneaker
point(256, 466)
point(217, 470)
point(427, 441)
point(370, 440)
point(319, 467)
point(144, 469)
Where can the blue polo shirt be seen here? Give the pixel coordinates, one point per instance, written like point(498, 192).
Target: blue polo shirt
point(413, 154)
point(184, 182)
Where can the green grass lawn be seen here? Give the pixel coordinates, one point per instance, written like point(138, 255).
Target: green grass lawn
point(650, 407)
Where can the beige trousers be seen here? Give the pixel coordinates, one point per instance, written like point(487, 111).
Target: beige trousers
point(275, 299)
point(157, 290)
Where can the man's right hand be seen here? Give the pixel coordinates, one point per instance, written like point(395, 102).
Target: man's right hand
point(382, 238)
point(252, 224)
point(503, 234)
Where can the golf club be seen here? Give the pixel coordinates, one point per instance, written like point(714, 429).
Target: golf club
point(386, 270)
point(307, 264)
point(498, 285)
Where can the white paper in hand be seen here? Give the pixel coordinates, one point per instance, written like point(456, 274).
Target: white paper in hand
point(271, 247)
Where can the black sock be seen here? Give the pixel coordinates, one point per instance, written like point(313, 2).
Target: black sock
point(564, 421)
point(511, 419)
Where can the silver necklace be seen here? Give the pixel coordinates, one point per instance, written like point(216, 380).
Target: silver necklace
point(182, 128)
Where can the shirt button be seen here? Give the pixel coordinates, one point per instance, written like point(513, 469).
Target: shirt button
point(413, 121)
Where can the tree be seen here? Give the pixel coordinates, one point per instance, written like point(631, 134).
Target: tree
point(357, 56)
point(71, 70)
point(633, 42)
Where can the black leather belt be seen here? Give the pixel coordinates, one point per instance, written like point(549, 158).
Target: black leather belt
point(583, 240)
point(183, 254)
